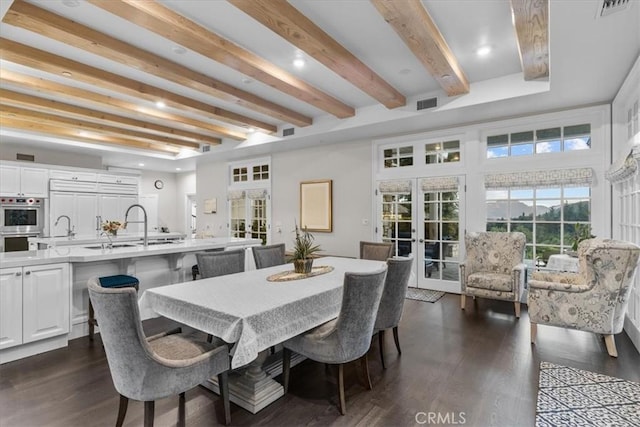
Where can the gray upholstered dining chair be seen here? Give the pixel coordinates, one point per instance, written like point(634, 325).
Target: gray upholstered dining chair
point(346, 338)
point(213, 264)
point(147, 369)
point(392, 301)
point(269, 255)
point(377, 251)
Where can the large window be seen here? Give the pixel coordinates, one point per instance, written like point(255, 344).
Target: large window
point(547, 216)
point(540, 141)
point(397, 221)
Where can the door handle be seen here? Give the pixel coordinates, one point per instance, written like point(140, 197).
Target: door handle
point(413, 240)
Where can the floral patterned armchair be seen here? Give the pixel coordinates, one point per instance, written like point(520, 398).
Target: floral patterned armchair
point(595, 299)
point(494, 267)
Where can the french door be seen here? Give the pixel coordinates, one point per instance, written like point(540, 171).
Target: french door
point(424, 217)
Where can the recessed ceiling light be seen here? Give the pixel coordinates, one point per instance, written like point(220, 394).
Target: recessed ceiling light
point(247, 81)
point(71, 3)
point(445, 76)
point(483, 50)
point(179, 50)
point(140, 164)
point(160, 104)
point(178, 169)
point(299, 62)
point(404, 71)
point(251, 130)
point(66, 73)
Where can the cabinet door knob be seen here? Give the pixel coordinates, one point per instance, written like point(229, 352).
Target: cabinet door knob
point(18, 273)
point(26, 273)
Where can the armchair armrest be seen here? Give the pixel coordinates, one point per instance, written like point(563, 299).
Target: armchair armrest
point(556, 281)
point(522, 267)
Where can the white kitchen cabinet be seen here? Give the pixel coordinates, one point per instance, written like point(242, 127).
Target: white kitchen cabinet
point(35, 303)
point(150, 203)
point(82, 209)
point(10, 307)
point(114, 206)
point(77, 186)
point(17, 181)
point(117, 179)
point(70, 175)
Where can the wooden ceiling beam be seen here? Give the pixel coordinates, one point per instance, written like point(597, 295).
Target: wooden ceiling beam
point(531, 19)
point(47, 87)
point(285, 20)
point(414, 25)
point(161, 20)
point(90, 127)
point(37, 59)
point(31, 102)
point(68, 133)
point(48, 24)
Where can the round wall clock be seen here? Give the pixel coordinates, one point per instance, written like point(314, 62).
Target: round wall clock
point(158, 184)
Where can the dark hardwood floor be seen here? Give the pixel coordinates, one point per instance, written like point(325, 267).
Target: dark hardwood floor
point(476, 366)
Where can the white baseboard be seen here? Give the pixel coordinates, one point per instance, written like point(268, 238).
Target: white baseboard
point(633, 332)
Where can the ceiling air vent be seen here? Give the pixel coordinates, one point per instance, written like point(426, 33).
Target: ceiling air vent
point(607, 7)
point(427, 103)
point(26, 157)
point(206, 148)
point(288, 132)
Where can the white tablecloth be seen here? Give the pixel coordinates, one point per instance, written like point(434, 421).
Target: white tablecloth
point(252, 312)
point(563, 263)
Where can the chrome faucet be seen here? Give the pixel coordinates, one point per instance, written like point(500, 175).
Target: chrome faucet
point(144, 211)
point(110, 245)
point(70, 232)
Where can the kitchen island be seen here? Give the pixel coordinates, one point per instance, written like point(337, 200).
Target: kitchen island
point(44, 299)
point(36, 243)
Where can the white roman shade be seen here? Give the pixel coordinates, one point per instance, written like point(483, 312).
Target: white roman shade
point(235, 194)
point(623, 169)
point(396, 186)
point(260, 193)
point(545, 178)
point(441, 183)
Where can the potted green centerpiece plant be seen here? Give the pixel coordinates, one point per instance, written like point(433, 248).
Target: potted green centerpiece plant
point(303, 250)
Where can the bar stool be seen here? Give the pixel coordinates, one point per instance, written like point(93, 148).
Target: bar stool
point(117, 281)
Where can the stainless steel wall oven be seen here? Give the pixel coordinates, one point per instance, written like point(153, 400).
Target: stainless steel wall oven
point(20, 218)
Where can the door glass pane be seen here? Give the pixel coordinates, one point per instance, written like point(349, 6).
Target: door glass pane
point(396, 221)
point(441, 235)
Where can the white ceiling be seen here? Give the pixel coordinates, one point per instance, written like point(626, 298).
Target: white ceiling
point(589, 58)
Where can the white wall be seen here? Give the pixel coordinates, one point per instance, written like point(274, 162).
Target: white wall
point(348, 165)
point(167, 206)
point(50, 157)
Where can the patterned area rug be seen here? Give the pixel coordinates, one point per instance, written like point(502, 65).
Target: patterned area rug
point(573, 397)
point(423, 294)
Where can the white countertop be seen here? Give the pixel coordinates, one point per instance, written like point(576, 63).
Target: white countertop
point(83, 254)
point(92, 238)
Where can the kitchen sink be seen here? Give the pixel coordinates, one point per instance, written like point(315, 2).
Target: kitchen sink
point(117, 245)
point(159, 242)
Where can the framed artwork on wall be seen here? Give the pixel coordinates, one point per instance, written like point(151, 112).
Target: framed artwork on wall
point(316, 205)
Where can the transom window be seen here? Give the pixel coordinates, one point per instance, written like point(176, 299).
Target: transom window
point(240, 174)
point(398, 157)
point(260, 172)
point(547, 216)
point(541, 141)
point(442, 152)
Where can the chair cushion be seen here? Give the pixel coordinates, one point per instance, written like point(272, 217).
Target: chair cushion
point(180, 347)
point(118, 281)
point(491, 281)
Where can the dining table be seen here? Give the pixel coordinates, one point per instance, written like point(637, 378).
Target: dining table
point(255, 310)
